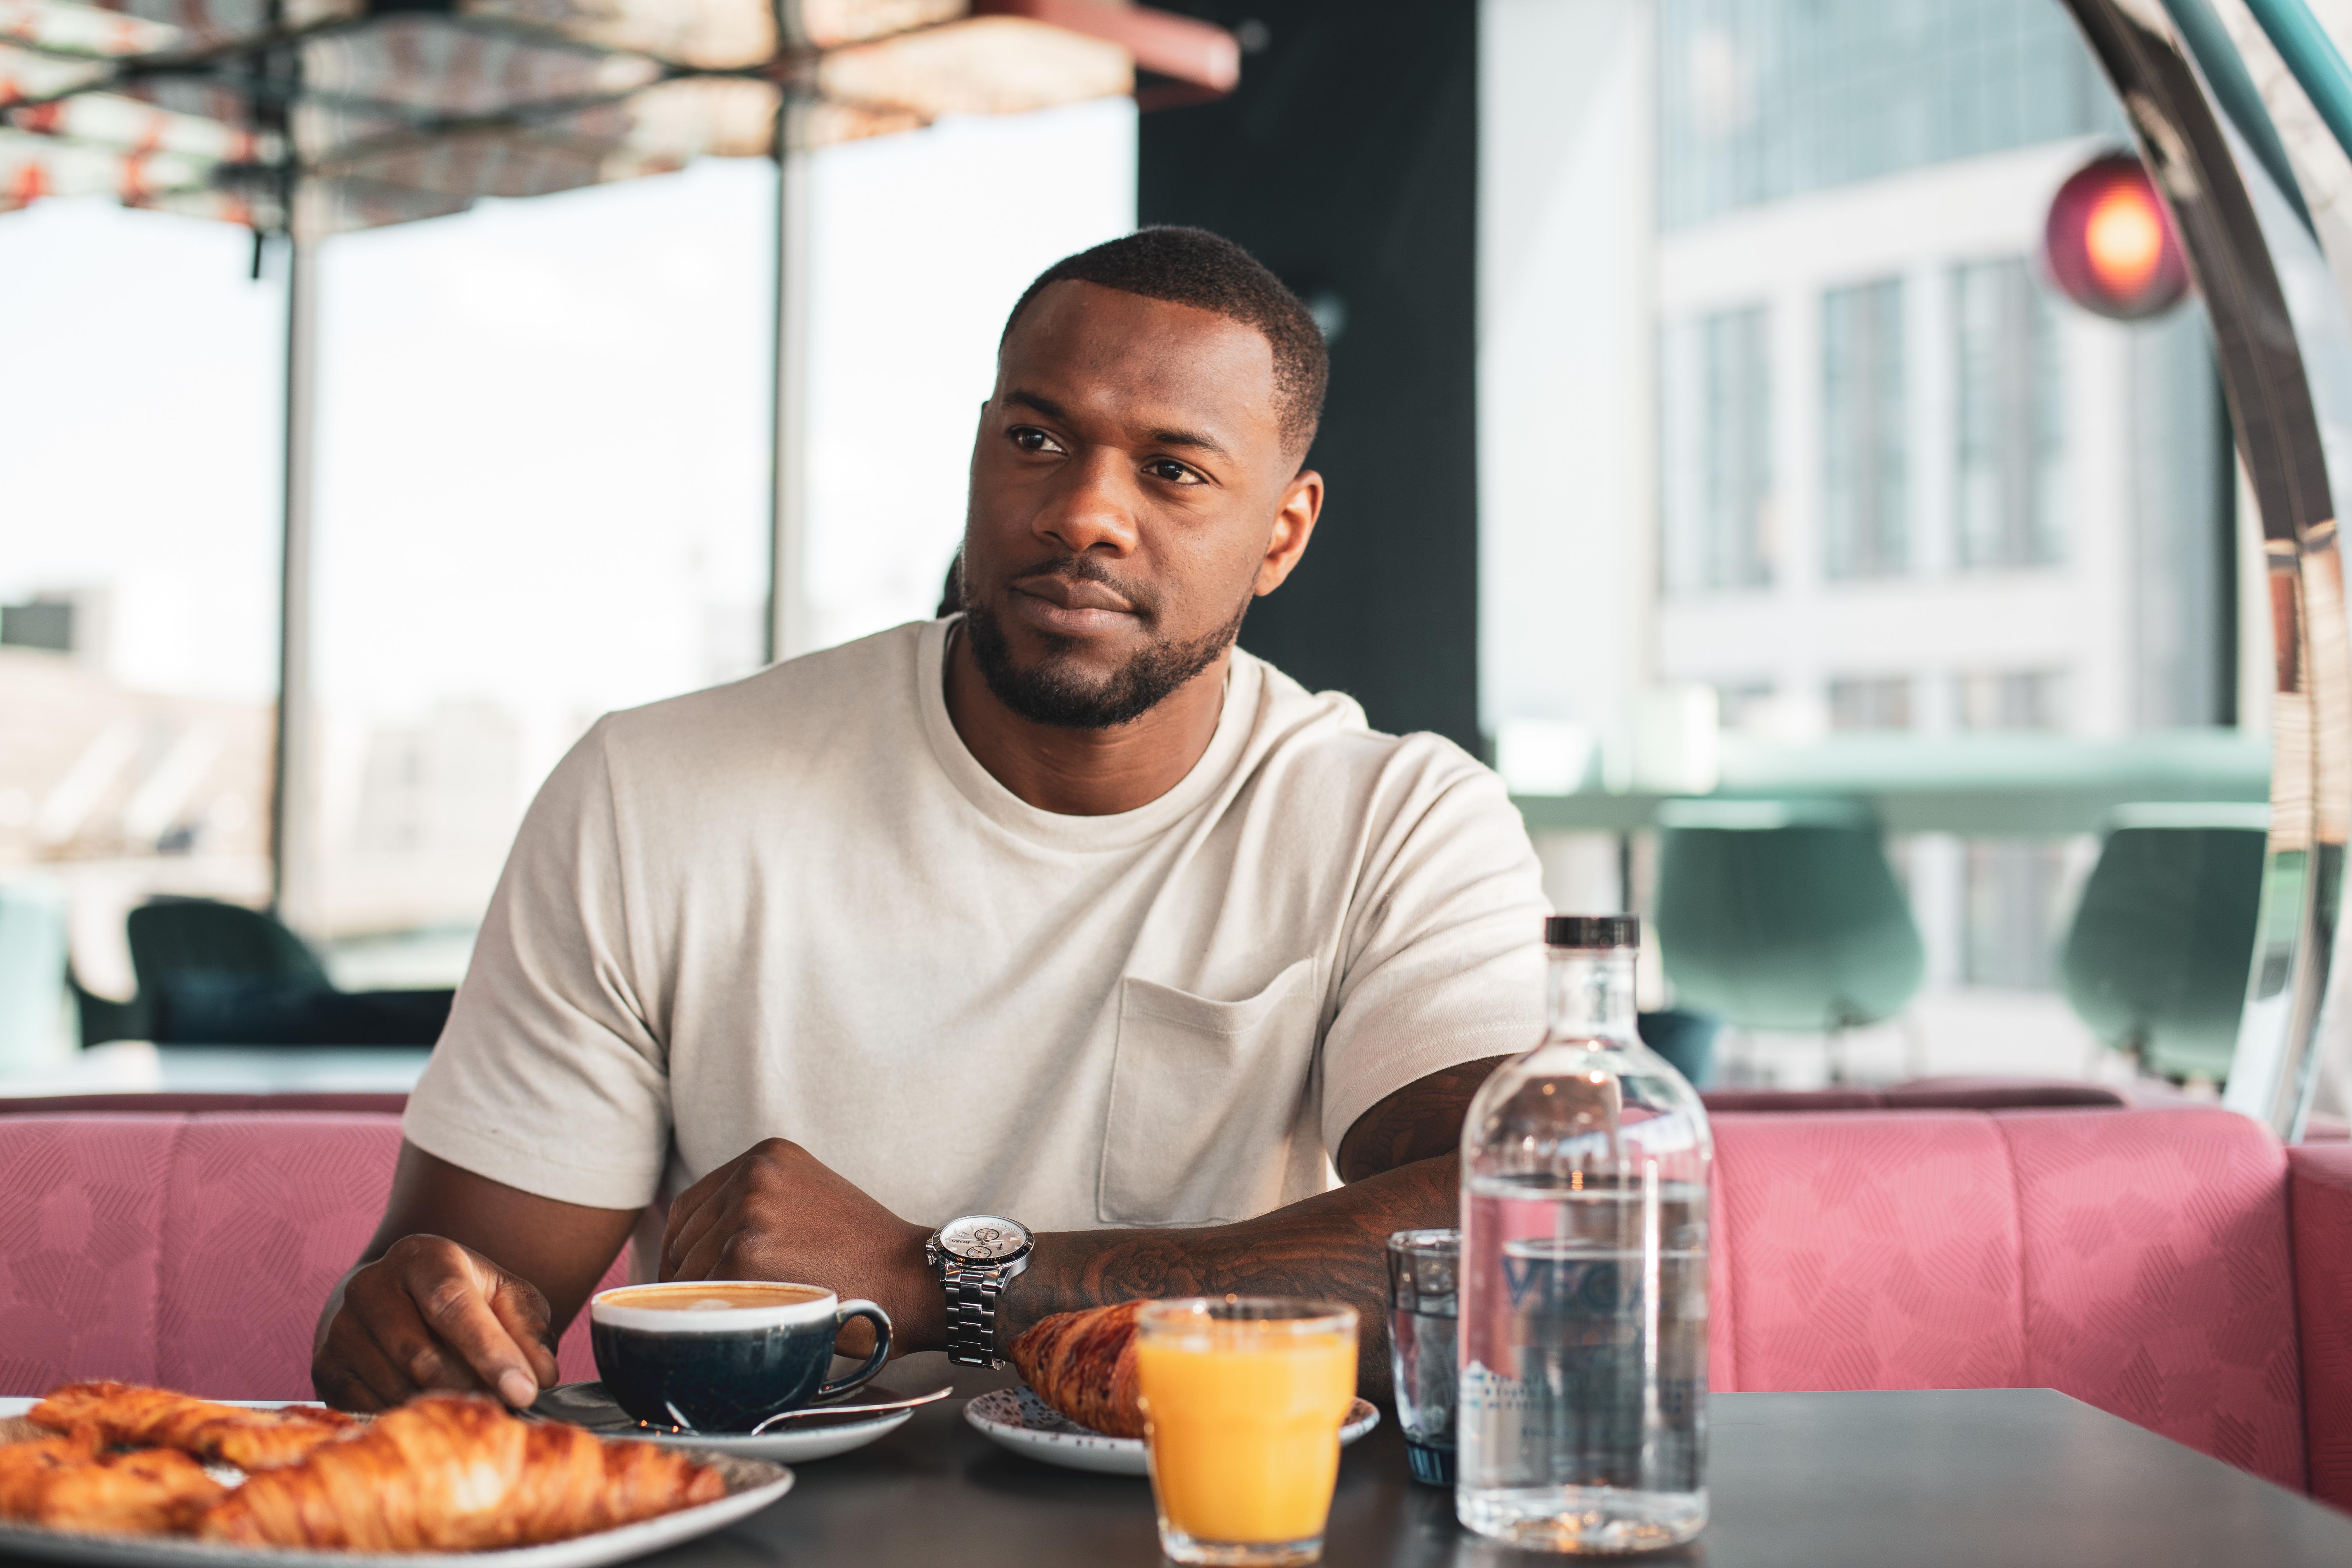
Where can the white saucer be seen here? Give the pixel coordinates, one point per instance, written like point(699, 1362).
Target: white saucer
point(794, 1442)
point(1017, 1419)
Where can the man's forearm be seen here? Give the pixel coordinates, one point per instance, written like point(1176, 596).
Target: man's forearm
point(1330, 1246)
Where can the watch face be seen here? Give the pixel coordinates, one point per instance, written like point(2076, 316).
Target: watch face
point(983, 1237)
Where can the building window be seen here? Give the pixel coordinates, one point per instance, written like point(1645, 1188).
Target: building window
point(2012, 889)
point(2006, 410)
point(1742, 705)
point(2182, 544)
point(1763, 100)
point(1865, 485)
point(2026, 699)
point(1718, 485)
point(1875, 703)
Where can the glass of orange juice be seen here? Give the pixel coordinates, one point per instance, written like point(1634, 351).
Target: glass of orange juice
point(1242, 1400)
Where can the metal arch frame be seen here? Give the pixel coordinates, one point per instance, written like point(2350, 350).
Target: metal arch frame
point(2271, 410)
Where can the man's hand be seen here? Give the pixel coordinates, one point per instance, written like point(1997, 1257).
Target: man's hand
point(431, 1314)
point(465, 1284)
point(1402, 1165)
point(774, 1212)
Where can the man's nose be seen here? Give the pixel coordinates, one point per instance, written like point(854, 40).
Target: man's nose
point(1093, 507)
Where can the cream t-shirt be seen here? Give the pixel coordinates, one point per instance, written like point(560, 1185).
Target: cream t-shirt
point(797, 906)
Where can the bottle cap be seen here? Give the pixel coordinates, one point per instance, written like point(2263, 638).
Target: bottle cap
point(1593, 931)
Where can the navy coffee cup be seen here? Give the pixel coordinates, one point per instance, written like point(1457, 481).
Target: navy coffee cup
point(722, 1355)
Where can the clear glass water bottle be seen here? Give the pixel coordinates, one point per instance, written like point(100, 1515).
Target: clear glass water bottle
point(1581, 1419)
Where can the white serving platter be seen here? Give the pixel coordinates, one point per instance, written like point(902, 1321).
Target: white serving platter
point(1017, 1419)
point(751, 1485)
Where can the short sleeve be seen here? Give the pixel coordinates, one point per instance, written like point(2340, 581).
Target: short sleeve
point(548, 1076)
point(1442, 956)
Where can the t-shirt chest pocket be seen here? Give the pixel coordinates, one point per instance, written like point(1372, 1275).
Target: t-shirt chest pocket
point(1204, 1096)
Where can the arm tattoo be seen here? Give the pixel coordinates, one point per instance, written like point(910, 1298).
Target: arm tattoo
point(1400, 1162)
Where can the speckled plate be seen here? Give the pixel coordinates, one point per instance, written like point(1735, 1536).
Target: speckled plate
point(1017, 1419)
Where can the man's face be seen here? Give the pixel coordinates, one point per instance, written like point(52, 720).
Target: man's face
point(1132, 491)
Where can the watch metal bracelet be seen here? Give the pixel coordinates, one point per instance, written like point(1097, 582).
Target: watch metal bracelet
point(971, 1317)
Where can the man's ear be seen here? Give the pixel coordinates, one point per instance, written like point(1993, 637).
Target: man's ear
point(1293, 524)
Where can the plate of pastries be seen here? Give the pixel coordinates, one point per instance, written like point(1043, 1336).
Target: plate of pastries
point(112, 1473)
point(1079, 1408)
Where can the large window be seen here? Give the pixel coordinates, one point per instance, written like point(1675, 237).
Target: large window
point(542, 495)
point(586, 380)
point(139, 533)
point(1718, 471)
point(1933, 538)
point(1865, 472)
point(1763, 100)
point(2006, 406)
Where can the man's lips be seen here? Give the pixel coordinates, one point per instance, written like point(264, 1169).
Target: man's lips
point(1067, 607)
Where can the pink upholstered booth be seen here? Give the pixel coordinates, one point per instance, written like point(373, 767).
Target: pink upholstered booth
point(2176, 1267)
point(191, 1250)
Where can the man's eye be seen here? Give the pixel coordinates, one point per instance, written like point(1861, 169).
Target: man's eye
point(1169, 471)
point(1029, 438)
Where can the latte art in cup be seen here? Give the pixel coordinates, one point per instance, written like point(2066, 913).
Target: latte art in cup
point(709, 1296)
point(722, 1355)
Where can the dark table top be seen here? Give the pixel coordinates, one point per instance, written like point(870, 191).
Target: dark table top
point(2013, 1477)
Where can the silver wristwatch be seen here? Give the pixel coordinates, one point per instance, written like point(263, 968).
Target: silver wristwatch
point(976, 1256)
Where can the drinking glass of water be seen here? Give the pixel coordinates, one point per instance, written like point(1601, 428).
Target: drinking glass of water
point(1423, 1267)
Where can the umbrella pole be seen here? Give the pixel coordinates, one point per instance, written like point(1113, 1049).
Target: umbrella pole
point(293, 838)
point(786, 633)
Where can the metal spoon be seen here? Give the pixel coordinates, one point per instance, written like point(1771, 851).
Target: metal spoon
point(878, 1407)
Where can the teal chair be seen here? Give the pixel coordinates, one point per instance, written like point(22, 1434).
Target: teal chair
point(1783, 916)
point(212, 975)
point(2156, 960)
point(175, 937)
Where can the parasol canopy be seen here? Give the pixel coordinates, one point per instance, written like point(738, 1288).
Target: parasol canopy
point(317, 117)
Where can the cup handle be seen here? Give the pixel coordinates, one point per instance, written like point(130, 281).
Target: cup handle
point(863, 1374)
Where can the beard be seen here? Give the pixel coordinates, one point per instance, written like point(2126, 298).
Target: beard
point(1050, 692)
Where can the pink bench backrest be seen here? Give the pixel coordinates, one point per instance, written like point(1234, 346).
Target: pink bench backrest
point(188, 1250)
point(2138, 1260)
point(2320, 1201)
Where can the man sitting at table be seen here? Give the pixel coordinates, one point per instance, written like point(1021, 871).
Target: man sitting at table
point(1066, 911)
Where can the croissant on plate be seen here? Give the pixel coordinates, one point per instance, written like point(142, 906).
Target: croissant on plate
point(1083, 1364)
point(218, 1433)
point(457, 1473)
point(66, 1483)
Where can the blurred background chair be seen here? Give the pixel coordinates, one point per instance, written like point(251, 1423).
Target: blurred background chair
point(172, 937)
point(1686, 1038)
point(1784, 916)
point(218, 973)
point(2156, 959)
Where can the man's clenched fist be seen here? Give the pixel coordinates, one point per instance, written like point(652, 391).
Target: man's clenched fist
point(774, 1212)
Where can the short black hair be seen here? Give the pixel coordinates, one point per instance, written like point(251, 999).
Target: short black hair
point(1209, 272)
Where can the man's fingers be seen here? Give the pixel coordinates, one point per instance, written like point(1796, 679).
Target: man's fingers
point(523, 1311)
point(452, 1297)
point(386, 1381)
point(705, 1261)
point(692, 1217)
point(350, 1371)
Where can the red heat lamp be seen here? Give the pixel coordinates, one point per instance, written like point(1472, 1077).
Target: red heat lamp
point(2109, 242)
